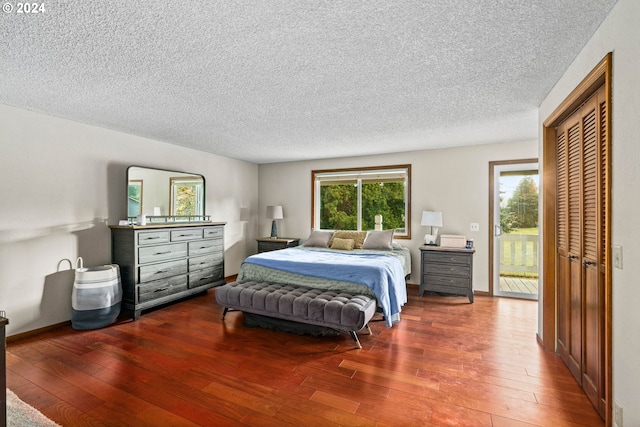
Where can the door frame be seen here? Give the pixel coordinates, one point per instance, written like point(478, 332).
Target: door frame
point(492, 166)
point(599, 76)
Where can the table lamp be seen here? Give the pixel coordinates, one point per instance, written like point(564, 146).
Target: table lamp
point(433, 220)
point(273, 213)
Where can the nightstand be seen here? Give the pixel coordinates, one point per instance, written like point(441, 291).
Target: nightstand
point(446, 270)
point(266, 244)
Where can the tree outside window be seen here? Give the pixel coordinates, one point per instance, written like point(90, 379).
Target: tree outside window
point(186, 196)
point(348, 199)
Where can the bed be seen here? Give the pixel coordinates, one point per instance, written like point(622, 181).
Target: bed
point(376, 269)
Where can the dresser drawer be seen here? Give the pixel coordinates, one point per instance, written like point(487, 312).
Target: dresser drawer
point(206, 276)
point(161, 252)
point(202, 262)
point(446, 258)
point(203, 247)
point(151, 272)
point(213, 233)
point(161, 288)
point(153, 237)
point(182, 235)
point(447, 269)
point(449, 281)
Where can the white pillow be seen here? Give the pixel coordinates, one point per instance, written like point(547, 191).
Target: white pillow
point(379, 240)
point(318, 239)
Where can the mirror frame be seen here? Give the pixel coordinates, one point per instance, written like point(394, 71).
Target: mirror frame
point(157, 217)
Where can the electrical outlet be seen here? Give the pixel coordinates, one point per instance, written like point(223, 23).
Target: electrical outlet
point(475, 226)
point(617, 256)
point(617, 414)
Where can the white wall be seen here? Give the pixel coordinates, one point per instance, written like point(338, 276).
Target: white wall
point(455, 181)
point(620, 34)
point(62, 182)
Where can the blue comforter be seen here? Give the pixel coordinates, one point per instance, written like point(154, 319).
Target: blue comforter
point(380, 272)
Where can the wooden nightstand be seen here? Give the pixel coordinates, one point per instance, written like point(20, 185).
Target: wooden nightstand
point(266, 244)
point(446, 270)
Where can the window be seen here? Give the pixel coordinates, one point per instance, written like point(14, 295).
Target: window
point(134, 199)
point(186, 196)
point(351, 199)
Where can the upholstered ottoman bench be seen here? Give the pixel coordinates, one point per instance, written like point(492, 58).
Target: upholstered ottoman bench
point(339, 311)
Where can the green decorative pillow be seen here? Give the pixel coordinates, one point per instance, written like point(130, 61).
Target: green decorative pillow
point(357, 236)
point(343, 244)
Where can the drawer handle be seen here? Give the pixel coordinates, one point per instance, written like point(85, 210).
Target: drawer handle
point(151, 238)
point(206, 277)
point(162, 271)
point(162, 253)
point(161, 289)
point(186, 235)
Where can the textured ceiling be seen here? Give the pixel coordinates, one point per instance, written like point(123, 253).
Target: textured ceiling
point(283, 80)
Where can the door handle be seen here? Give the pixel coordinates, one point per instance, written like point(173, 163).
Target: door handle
point(587, 263)
point(572, 257)
point(497, 230)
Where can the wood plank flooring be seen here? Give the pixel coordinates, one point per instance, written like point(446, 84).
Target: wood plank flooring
point(447, 363)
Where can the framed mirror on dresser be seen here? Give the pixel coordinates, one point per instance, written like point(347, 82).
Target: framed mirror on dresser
point(165, 196)
point(176, 250)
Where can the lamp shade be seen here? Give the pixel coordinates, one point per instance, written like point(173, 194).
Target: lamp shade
point(274, 212)
point(433, 219)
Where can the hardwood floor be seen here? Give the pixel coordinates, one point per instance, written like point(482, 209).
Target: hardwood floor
point(447, 363)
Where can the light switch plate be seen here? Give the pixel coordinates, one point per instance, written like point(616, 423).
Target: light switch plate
point(475, 226)
point(617, 414)
point(617, 256)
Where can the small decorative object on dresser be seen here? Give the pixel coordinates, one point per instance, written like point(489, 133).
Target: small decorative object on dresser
point(266, 244)
point(163, 263)
point(446, 270)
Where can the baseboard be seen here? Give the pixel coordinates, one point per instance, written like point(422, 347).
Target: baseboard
point(33, 332)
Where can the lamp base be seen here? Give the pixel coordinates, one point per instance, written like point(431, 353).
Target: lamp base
point(274, 230)
point(430, 239)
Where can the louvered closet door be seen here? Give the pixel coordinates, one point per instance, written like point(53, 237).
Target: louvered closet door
point(581, 151)
point(569, 245)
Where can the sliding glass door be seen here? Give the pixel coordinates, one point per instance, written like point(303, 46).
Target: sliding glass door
point(515, 230)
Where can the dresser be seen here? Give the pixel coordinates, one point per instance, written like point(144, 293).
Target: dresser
point(163, 263)
point(446, 270)
point(266, 244)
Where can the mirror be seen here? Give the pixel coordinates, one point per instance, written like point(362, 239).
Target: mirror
point(165, 196)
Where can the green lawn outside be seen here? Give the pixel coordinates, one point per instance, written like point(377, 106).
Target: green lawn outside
point(529, 231)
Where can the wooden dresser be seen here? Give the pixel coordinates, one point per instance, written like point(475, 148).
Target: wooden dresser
point(446, 270)
point(163, 263)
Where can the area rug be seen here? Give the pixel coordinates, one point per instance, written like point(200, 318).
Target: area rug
point(21, 414)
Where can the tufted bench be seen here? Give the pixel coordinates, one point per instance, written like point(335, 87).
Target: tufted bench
point(340, 311)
